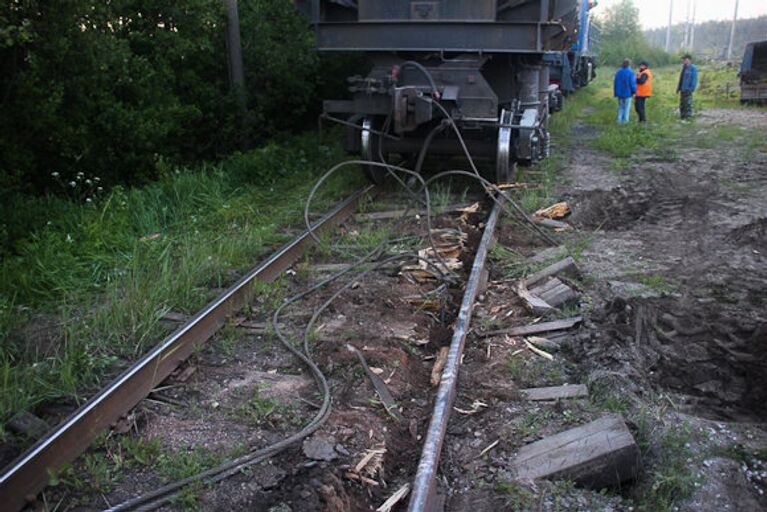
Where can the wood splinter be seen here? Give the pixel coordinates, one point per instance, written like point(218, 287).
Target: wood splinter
point(439, 365)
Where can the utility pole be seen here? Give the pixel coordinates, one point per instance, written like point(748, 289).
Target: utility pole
point(686, 38)
point(236, 73)
point(668, 30)
point(692, 25)
point(732, 31)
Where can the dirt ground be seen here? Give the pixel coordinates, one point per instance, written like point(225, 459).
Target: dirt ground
point(677, 253)
point(673, 293)
point(245, 390)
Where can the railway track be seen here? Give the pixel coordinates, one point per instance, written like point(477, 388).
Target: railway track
point(423, 493)
point(24, 478)
point(29, 473)
point(474, 232)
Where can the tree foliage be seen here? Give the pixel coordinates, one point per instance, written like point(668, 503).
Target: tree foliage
point(112, 88)
point(622, 37)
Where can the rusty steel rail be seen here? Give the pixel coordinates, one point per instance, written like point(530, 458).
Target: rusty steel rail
point(423, 486)
point(29, 473)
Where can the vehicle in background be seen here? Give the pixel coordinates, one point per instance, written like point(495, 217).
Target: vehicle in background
point(478, 66)
point(576, 67)
point(753, 73)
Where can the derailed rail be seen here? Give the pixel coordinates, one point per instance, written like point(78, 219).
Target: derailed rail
point(421, 499)
point(29, 473)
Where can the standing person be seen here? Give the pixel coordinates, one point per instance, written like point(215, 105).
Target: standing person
point(688, 82)
point(644, 90)
point(624, 86)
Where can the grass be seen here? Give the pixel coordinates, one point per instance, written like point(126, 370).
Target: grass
point(670, 479)
point(657, 283)
point(663, 134)
point(98, 471)
point(257, 409)
point(517, 497)
point(106, 272)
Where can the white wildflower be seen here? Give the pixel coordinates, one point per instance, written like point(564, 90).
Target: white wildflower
point(55, 174)
point(72, 184)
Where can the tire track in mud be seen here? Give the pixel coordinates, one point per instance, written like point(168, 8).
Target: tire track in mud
point(698, 259)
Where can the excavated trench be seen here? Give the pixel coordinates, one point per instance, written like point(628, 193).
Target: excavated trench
point(681, 247)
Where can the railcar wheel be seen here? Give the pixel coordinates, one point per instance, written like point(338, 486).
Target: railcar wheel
point(370, 144)
point(505, 165)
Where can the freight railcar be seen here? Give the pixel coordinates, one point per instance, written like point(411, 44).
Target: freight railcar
point(479, 66)
point(576, 67)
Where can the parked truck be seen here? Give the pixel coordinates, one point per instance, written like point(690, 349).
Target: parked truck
point(753, 73)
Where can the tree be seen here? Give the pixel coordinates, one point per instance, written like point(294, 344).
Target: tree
point(621, 22)
point(622, 37)
point(111, 88)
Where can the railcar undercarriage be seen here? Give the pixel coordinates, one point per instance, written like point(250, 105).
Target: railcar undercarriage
point(447, 78)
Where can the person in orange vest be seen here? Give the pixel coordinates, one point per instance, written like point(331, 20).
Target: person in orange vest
point(644, 90)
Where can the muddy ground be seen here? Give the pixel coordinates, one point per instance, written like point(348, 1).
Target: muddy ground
point(675, 337)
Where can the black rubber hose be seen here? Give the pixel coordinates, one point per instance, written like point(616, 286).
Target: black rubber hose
point(411, 63)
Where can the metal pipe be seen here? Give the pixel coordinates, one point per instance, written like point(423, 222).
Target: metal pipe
point(423, 486)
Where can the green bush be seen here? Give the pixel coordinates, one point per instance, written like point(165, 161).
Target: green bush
point(112, 89)
point(622, 38)
point(108, 270)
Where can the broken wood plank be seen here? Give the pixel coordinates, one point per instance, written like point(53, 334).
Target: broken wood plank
point(544, 343)
point(395, 498)
point(518, 186)
point(380, 386)
point(555, 392)
point(550, 223)
point(533, 303)
point(555, 211)
point(439, 365)
point(600, 454)
point(524, 330)
point(562, 294)
point(327, 267)
point(566, 266)
point(360, 478)
point(255, 327)
point(548, 285)
point(394, 214)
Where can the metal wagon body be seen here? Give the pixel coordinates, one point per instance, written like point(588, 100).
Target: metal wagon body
point(479, 64)
point(576, 67)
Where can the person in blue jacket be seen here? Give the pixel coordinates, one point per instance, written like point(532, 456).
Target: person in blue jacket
point(625, 86)
point(688, 82)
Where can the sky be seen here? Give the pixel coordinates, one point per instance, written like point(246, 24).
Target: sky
point(654, 13)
